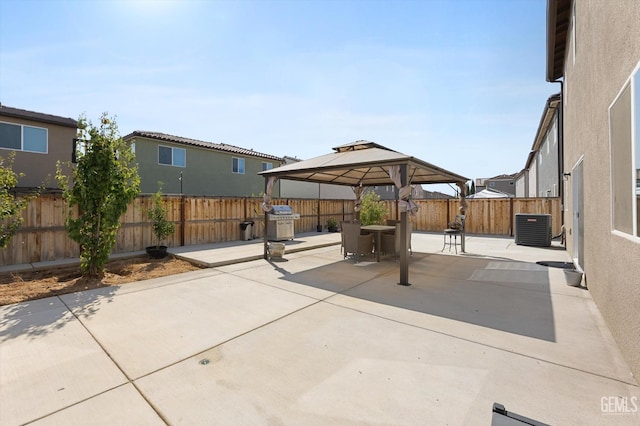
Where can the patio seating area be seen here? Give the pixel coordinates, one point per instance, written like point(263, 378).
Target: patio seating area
point(317, 339)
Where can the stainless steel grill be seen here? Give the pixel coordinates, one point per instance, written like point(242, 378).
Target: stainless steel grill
point(281, 220)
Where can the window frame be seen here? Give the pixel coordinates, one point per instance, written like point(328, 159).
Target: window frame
point(22, 142)
point(239, 160)
point(574, 47)
point(632, 83)
point(173, 163)
point(266, 166)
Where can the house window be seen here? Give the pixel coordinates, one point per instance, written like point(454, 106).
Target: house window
point(624, 140)
point(267, 166)
point(573, 33)
point(23, 138)
point(171, 156)
point(238, 165)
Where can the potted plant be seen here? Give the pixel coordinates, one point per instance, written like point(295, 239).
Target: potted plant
point(162, 228)
point(332, 225)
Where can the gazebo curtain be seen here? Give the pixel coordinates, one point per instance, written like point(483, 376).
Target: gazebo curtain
point(266, 198)
point(358, 190)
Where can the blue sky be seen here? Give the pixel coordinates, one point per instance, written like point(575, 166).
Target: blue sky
point(458, 83)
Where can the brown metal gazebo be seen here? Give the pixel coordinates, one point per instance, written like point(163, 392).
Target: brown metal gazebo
point(361, 164)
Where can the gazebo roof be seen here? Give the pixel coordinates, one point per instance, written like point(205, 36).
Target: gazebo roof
point(362, 163)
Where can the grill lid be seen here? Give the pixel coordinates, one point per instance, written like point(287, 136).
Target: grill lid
point(283, 209)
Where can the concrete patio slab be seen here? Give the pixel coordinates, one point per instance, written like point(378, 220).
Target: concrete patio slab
point(541, 323)
point(233, 252)
point(318, 285)
point(48, 361)
point(145, 331)
point(121, 406)
point(332, 365)
point(315, 339)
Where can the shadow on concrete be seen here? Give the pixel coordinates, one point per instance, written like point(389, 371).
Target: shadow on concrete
point(42, 316)
point(504, 295)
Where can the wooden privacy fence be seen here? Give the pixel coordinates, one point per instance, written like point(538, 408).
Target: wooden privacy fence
point(202, 220)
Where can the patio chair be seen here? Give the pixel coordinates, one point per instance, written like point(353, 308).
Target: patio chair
point(342, 222)
point(355, 243)
point(455, 228)
point(391, 242)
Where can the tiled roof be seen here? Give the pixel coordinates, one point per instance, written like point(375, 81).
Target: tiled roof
point(37, 116)
point(194, 142)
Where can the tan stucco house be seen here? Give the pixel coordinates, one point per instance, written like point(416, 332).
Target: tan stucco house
point(593, 49)
point(39, 141)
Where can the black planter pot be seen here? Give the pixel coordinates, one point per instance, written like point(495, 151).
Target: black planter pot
point(333, 229)
point(319, 228)
point(157, 252)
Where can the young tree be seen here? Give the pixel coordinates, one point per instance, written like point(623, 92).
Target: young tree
point(102, 184)
point(10, 206)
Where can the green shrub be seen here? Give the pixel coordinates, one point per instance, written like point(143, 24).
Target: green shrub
point(372, 211)
point(11, 206)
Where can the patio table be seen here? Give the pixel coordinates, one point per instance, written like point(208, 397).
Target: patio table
point(378, 230)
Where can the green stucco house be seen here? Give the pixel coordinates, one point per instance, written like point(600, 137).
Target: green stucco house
point(193, 167)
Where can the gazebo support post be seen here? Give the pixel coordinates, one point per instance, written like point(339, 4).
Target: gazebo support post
point(463, 211)
point(404, 261)
point(266, 225)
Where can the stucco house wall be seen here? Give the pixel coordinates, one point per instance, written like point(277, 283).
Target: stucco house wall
point(547, 159)
point(601, 51)
point(39, 168)
point(521, 186)
point(207, 170)
point(532, 190)
point(539, 178)
point(296, 189)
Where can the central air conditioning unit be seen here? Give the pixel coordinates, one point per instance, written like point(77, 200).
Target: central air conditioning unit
point(533, 230)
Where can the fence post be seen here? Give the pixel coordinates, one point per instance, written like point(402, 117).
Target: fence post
point(182, 220)
point(510, 217)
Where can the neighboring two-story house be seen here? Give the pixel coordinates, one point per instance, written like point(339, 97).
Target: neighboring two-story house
point(193, 167)
point(541, 174)
point(502, 183)
point(298, 189)
point(39, 141)
point(593, 48)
